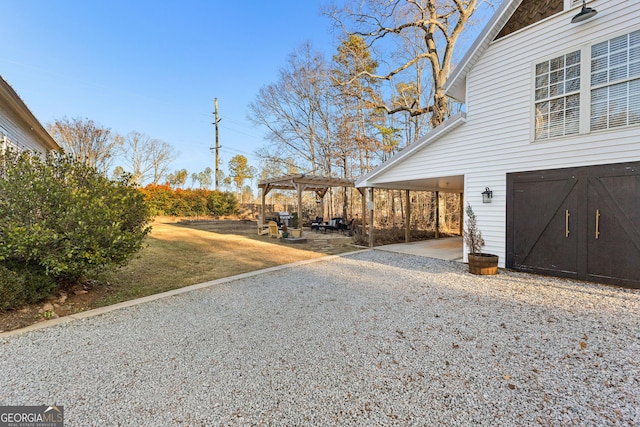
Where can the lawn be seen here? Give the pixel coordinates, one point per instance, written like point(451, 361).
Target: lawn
point(177, 255)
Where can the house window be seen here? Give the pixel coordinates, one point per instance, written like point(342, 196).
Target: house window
point(615, 82)
point(611, 89)
point(557, 96)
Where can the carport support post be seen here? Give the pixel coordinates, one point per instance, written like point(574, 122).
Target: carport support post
point(461, 214)
point(437, 214)
point(407, 218)
point(370, 217)
point(363, 198)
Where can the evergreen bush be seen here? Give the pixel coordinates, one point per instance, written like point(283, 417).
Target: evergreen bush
point(190, 202)
point(63, 219)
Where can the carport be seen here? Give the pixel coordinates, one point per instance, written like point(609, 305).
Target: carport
point(437, 185)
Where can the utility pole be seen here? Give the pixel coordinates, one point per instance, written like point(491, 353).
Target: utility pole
point(217, 146)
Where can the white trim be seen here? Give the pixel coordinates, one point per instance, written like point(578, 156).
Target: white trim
point(574, 4)
point(585, 90)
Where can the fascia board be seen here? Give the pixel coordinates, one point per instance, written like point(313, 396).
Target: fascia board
point(20, 108)
point(455, 87)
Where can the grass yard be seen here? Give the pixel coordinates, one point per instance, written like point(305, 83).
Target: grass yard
point(178, 255)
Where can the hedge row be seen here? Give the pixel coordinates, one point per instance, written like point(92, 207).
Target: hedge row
point(164, 200)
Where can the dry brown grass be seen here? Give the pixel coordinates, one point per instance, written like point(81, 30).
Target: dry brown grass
point(179, 255)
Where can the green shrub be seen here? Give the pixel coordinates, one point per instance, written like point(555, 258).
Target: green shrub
point(195, 201)
point(165, 201)
point(11, 286)
point(219, 203)
point(62, 216)
point(160, 199)
point(23, 284)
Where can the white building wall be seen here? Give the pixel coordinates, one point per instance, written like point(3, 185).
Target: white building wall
point(17, 132)
point(497, 137)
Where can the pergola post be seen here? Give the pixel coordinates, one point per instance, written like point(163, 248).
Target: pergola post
point(299, 188)
point(265, 190)
point(407, 216)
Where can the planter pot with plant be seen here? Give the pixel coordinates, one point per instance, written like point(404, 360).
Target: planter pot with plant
point(479, 262)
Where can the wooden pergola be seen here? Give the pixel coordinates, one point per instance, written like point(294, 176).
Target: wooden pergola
point(303, 182)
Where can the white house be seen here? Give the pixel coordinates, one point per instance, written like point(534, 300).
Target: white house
point(19, 128)
point(552, 128)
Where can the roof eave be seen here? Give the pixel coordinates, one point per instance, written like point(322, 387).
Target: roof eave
point(456, 84)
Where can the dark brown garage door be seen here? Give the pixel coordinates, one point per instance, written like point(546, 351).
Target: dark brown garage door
point(582, 223)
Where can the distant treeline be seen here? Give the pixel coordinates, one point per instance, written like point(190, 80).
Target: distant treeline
point(164, 200)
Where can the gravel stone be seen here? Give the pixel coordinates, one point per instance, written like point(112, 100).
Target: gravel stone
point(372, 338)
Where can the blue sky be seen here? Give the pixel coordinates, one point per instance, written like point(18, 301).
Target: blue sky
point(156, 66)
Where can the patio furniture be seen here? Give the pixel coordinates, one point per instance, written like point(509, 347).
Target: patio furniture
point(316, 223)
point(274, 231)
point(332, 225)
point(345, 227)
point(263, 229)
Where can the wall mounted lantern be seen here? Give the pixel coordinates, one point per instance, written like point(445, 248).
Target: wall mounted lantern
point(585, 13)
point(487, 195)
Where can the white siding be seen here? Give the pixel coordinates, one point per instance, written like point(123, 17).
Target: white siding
point(18, 133)
point(496, 139)
point(19, 126)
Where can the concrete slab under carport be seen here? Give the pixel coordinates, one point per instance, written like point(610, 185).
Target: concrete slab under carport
point(447, 248)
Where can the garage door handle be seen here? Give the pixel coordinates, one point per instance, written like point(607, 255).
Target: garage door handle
point(566, 223)
point(597, 223)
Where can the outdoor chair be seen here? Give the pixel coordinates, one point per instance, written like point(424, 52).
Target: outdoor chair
point(345, 227)
point(273, 230)
point(332, 225)
point(316, 223)
point(262, 229)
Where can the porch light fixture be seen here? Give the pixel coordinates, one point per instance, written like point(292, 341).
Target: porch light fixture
point(487, 195)
point(585, 13)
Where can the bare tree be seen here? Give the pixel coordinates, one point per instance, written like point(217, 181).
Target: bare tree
point(178, 178)
point(161, 155)
point(87, 141)
point(204, 178)
point(295, 111)
point(436, 23)
point(146, 158)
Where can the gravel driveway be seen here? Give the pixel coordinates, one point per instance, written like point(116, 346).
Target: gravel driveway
point(372, 338)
